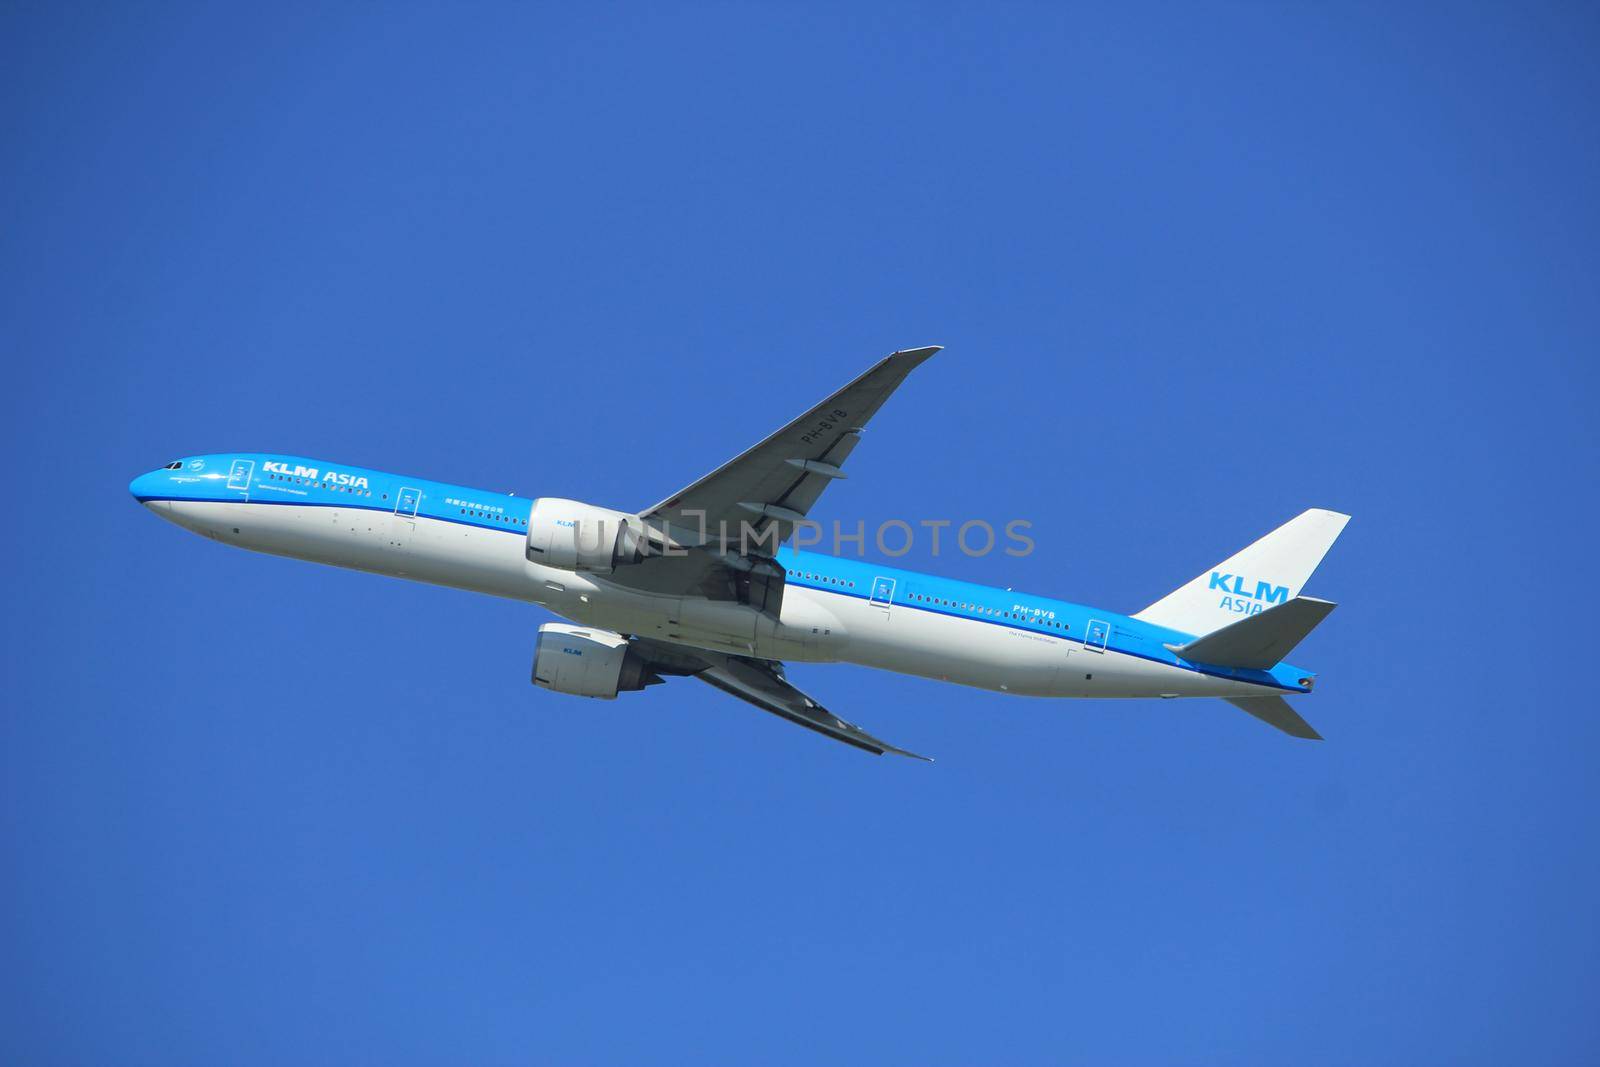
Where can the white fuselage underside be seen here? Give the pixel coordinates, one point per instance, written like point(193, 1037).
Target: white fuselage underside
point(815, 624)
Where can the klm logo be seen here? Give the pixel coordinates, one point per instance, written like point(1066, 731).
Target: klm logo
point(311, 474)
point(1239, 597)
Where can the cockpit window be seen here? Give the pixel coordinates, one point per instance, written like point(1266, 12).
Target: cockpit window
point(174, 465)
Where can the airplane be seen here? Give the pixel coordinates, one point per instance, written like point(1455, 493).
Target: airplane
point(704, 585)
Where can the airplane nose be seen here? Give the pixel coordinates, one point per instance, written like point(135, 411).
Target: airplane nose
point(146, 487)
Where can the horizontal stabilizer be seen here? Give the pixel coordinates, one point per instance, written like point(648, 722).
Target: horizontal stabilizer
point(1275, 711)
point(1260, 641)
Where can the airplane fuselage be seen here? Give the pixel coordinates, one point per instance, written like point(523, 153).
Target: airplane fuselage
point(834, 609)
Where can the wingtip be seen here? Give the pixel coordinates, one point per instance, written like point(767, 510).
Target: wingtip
point(919, 354)
point(1330, 515)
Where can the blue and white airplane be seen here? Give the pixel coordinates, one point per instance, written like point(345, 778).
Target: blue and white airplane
point(699, 586)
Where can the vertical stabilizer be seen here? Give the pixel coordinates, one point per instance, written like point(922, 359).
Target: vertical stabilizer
point(1271, 571)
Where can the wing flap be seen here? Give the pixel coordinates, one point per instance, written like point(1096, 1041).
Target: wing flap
point(813, 718)
point(761, 683)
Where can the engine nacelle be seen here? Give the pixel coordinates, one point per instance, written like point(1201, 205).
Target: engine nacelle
point(586, 662)
point(575, 536)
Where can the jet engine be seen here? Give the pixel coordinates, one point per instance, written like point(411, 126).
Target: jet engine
point(587, 662)
point(575, 536)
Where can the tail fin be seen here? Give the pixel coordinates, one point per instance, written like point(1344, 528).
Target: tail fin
point(1271, 571)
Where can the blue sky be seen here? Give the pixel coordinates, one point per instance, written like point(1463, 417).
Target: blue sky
point(1197, 268)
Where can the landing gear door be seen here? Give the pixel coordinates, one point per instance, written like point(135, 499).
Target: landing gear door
point(239, 476)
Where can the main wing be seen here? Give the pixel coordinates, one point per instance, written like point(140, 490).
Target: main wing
point(761, 682)
point(778, 480)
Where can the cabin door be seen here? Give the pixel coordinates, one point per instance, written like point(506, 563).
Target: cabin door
point(403, 526)
point(882, 594)
point(1095, 635)
point(239, 476)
